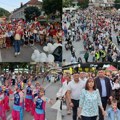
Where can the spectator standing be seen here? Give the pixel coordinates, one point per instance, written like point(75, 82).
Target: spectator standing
point(104, 86)
point(74, 91)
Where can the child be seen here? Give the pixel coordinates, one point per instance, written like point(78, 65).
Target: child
point(29, 97)
point(26, 37)
point(113, 113)
point(2, 101)
point(7, 93)
point(35, 94)
point(31, 38)
point(17, 112)
point(40, 102)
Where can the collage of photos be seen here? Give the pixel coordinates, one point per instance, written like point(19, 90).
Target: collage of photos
point(60, 60)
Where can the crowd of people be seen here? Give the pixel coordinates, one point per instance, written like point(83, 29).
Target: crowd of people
point(97, 30)
point(91, 96)
point(21, 32)
point(24, 95)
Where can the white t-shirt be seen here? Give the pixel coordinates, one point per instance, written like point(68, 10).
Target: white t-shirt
point(75, 89)
point(116, 86)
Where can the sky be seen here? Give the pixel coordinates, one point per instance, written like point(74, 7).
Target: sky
point(10, 5)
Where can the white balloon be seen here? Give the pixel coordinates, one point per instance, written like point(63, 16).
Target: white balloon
point(36, 52)
point(43, 57)
point(37, 60)
point(55, 44)
point(39, 56)
point(49, 44)
point(50, 58)
point(51, 49)
point(43, 60)
point(33, 57)
point(45, 48)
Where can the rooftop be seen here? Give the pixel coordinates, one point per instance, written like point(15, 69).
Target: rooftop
point(31, 2)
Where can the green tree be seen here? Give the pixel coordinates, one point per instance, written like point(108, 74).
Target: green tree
point(51, 6)
point(31, 13)
point(117, 4)
point(67, 3)
point(4, 12)
point(83, 3)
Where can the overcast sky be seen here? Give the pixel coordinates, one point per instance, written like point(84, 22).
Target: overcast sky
point(10, 5)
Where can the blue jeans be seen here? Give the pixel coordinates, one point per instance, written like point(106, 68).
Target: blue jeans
point(17, 45)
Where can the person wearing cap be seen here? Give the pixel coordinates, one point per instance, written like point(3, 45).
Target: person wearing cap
point(17, 112)
point(29, 97)
point(2, 102)
point(40, 102)
point(75, 87)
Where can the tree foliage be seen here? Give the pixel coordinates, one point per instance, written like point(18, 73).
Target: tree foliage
point(117, 4)
point(31, 13)
point(83, 3)
point(4, 12)
point(67, 3)
point(51, 6)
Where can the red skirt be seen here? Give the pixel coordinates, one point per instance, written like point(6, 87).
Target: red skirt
point(16, 114)
point(39, 116)
point(33, 109)
point(2, 112)
point(28, 105)
point(7, 107)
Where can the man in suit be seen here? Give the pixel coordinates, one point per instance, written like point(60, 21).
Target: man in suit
point(105, 89)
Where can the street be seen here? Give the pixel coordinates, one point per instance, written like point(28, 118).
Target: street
point(79, 47)
point(81, 41)
point(51, 114)
point(7, 55)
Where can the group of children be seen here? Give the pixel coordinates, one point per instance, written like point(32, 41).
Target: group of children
point(31, 99)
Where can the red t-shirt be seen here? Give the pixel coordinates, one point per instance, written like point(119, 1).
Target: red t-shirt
point(52, 32)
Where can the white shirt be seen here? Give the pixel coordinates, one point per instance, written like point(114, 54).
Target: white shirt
point(84, 80)
point(75, 89)
point(116, 86)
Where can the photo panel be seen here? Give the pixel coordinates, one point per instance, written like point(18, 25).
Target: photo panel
point(88, 84)
point(24, 85)
point(30, 30)
point(91, 31)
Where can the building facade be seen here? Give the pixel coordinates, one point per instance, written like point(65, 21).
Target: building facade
point(19, 12)
point(103, 3)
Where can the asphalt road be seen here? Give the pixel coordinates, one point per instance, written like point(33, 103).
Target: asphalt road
point(7, 54)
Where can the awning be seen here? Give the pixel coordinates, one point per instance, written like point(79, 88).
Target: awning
point(112, 68)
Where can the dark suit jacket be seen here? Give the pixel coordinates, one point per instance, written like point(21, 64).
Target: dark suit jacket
point(108, 86)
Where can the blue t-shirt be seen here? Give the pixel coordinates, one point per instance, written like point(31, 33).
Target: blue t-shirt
point(113, 115)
